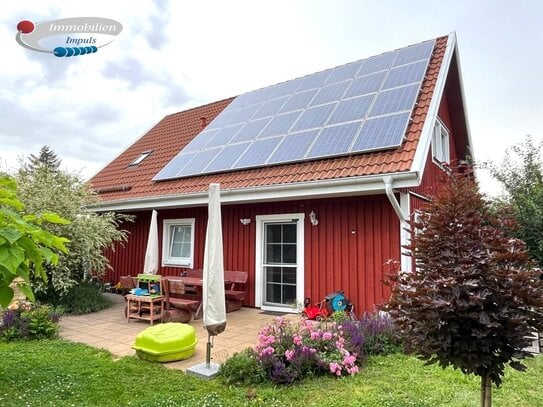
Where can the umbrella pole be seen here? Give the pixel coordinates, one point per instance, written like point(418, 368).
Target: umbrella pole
point(208, 351)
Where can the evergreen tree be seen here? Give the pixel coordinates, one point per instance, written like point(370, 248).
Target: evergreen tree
point(47, 159)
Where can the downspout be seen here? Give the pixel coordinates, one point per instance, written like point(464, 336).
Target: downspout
point(392, 198)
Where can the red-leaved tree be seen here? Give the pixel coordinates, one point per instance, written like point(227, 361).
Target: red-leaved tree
point(474, 298)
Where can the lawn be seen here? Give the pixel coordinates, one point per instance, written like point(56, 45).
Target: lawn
point(61, 373)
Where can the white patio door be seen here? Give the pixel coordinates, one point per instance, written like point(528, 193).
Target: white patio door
point(279, 255)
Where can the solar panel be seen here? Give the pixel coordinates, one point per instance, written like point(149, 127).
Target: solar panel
point(199, 162)
point(405, 75)
point(377, 63)
point(244, 114)
point(334, 140)
point(293, 147)
point(198, 142)
point(314, 117)
point(298, 101)
point(251, 130)
point(177, 164)
point(414, 53)
point(227, 157)
point(223, 136)
point(315, 80)
point(395, 100)
point(280, 124)
point(350, 109)
point(382, 132)
point(365, 84)
point(344, 72)
point(286, 88)
point(258, 152)
point(330, 93)
point(270, 108)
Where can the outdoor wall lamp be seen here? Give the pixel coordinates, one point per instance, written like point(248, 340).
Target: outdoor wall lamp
point(313, 219)
point(245, 221)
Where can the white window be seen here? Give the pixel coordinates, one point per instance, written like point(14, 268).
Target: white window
point(178, 242)
point(140, 158)
point(440, 144)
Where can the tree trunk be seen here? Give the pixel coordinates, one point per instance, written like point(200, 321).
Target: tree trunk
point(486, 391)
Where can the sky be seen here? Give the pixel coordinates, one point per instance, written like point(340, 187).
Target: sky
point(174, 55)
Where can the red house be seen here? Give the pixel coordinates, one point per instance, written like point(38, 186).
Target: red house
point(317, 176)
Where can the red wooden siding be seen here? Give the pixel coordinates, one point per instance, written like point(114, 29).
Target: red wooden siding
point(346, 250)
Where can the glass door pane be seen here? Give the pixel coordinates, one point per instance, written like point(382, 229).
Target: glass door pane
point(280, 263)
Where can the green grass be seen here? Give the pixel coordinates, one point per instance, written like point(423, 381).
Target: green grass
point(60, 373)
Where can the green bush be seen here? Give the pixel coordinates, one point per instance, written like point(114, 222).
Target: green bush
point(84, 298)
point(39, 322)
point(242, 368)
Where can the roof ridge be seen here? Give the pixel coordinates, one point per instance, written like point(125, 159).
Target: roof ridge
point(200, 106)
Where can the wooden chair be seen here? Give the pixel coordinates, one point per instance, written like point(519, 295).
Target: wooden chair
point(127, 283)
point(235, 294)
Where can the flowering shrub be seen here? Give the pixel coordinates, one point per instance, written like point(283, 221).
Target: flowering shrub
point(379, 333)
point(29, 323)
point(289, 351)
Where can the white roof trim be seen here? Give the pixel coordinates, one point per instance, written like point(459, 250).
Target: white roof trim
point(366, 185)
point(419, 161)
point(463, 95)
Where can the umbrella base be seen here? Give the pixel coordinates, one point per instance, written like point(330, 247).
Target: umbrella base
point(204, 372)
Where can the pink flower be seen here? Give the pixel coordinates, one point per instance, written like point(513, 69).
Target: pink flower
point(327, 336)
point(334, 367)
point(266, 351)
point(315, 335)
point(348, 360)
point(297, 339)
point(289, 354)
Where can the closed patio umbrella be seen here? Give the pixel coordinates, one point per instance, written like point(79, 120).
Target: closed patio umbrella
point(214, 308)
point(150, 265)
point(213, 287)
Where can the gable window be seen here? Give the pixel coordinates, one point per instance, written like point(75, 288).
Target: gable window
point(440, 144)
point(178, 242)
point(140, 158)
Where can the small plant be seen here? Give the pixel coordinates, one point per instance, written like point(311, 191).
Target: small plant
point(339, 317)
point(242, 368)
point(24, 323)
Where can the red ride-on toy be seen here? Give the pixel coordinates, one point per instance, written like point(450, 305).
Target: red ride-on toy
point(330, 304)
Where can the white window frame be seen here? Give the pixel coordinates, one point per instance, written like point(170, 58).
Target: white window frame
point(259, 272)
point(140, 158)
point(441, 144)
point(167, 260)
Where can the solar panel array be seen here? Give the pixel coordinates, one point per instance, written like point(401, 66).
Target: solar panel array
point(359, 107)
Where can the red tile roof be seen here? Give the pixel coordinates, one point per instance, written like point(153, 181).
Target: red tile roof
point(119, 181)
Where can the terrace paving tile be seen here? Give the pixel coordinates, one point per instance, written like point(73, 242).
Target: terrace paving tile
point(109, 329)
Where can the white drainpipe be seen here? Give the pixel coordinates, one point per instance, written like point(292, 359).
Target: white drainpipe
point(392, 198)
